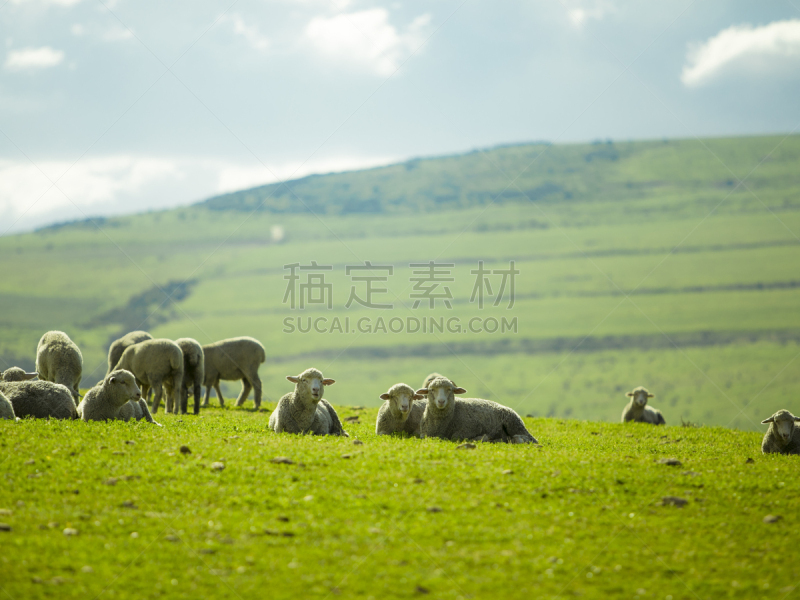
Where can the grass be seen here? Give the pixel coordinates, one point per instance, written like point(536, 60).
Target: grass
point(392, 518)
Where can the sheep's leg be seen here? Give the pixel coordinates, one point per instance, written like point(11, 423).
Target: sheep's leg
point(219, 394)
point(184, 400)
point(197, 393)
point(208, 396)
point(256, 383)
point(159, 391)
point(168, 408)
point(177, 393)
point(246, 387)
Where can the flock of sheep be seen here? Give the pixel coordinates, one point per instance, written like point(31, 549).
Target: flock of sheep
point(139, 365)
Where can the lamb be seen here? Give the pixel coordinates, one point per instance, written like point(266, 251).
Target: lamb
point(59, 360)
point(6, 408)
point(637, 409)
point(233, 359)
point(119, 346)
point(116, 397)
point(193, 368)
point(304, 410)
point(400, 413)
point(153, 363)
point(40, 399)
point(452, 418)
point(783, 436)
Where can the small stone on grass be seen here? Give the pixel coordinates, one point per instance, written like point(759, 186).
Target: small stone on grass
point(672, 462)
point(217, 466)
point(772, 518)
point(466, 446)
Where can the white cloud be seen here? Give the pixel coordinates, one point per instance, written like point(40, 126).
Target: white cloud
point(117, 34)
point(743, 47)
point(50, 2)
point(250, 33)
point(366, 39)
point(33, 58)
point(579, 15)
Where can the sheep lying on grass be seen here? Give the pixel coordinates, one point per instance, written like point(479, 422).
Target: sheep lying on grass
point(119, 346)
point(637, 409)
point(40, 399)
point(153, 363)
point(400, 413)
point(193, 368)
point(305, 410)
point(59, 360)
point(783, 435)
point(6, 408)
point(452, 418)
point(230, 360)
point(116, 397)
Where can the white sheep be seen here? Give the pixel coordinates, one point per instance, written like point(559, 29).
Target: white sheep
point(193, 369)
point(119, 346)
point(783, 435)
point(153, 363)
point(59, 360)
point(6, 408)
point(231, 360)
point(305, 410)
point(637, 409)
point(116, 397)
point(402, 411)
point(452, 418)
point(40, 399)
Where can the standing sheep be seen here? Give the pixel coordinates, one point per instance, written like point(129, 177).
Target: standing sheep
point(193, 369)
point(116, 397)
point(305, 410)
point(153, 363)
point(637, 409)
point(783, 435)
point(40, 399)
point(120, 345)
point(400, 413)
point(6, 408)
point(452, 418)
point(233, 359)
point(59, 360)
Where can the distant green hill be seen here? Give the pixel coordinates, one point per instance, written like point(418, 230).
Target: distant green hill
point(640, 263)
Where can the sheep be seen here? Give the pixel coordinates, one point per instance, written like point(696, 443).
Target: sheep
point(6, 408)
point(17, 374)
point(304, 410)
point(59, 360)
point(193, 368)
point(119, 346)
point(40, 399)
point(430, 378)
point(116, 397)
point(452, 418)
point(637, 409)
point(400, 413)
point(233, 359)
point(153, 363)
point(783, 436)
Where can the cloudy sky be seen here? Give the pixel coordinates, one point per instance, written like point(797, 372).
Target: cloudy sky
point(113, 106)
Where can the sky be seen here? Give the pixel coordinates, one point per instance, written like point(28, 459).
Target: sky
point(114, 106)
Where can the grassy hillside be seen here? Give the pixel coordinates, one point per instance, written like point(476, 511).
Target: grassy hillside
point(640, 263)
point(583, 514)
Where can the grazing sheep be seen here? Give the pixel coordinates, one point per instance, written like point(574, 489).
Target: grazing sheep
point(637, 409)
point(153, 363)
point(6, 408)
point(116, 397)
point(783, 436)
point(304, 410)
point(400, 413)
point(59, 360)
point(233, 359)
point(193, 368)
point(40, 399)
point(119, 346)
point(452, 418)
point(431, 377)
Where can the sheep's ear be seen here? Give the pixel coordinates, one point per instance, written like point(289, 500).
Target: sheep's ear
point(629, 394)
point(29, 376)
point(328, 381)
point(112, 379)
point(651, 395)
point(797, 418)
point(420, 397)
point(422, 391)
point(293, 379)
point(770, 420)
point(459, 390)
point(385, 396)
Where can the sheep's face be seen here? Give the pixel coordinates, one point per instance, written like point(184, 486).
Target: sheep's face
point(401, 397)
point(640, 396)
point(17, 374)
point(310, 383)
point(124, 386)
point(440, 392)
point(783, 424)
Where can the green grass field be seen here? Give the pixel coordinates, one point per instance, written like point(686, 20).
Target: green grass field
point(580, 515)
